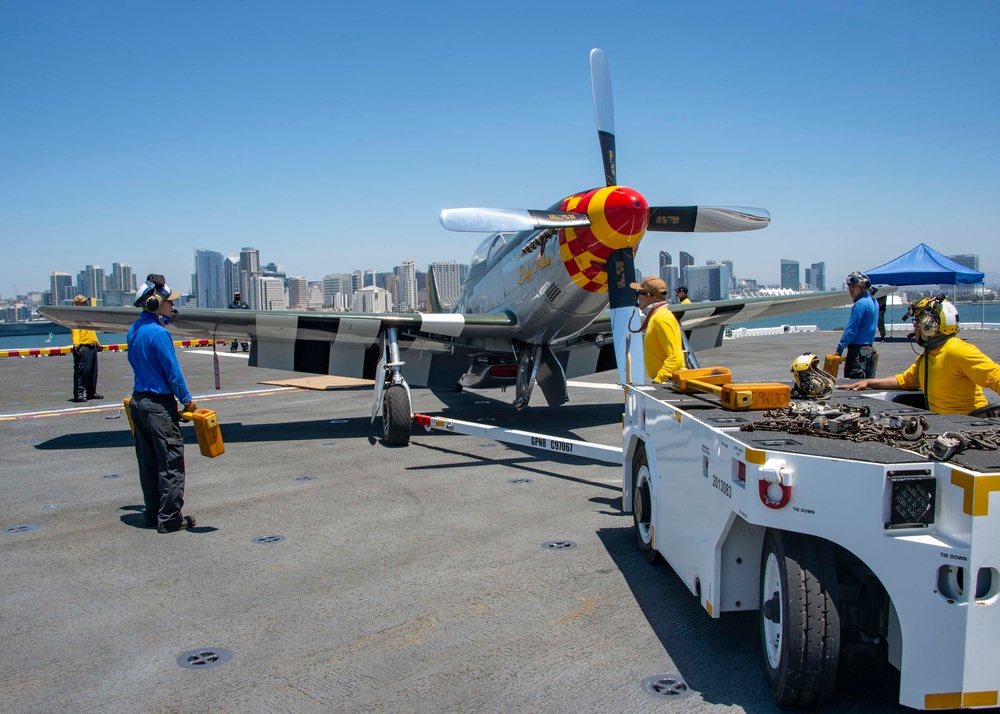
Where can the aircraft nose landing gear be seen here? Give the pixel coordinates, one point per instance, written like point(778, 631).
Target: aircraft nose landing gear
point(392, 394)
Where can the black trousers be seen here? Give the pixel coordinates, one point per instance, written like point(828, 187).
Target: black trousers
point(859, 363)
point(85, 371)
point(159, 449)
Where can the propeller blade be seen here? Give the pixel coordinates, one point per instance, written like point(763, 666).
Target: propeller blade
point(604, 112)
point(621, 299)
point(497, 220)
point(706, 219)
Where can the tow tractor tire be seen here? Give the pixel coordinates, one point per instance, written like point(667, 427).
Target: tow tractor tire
point(799, 618)
point(642, 505)
point(396, 420)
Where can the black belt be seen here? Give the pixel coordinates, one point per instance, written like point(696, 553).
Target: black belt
point(91, 346)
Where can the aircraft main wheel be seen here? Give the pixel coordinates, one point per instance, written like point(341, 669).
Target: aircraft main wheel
point(642, 505)
point(799, 618)
point(396, 419)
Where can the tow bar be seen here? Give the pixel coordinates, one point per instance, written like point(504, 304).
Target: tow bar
point(571, 447)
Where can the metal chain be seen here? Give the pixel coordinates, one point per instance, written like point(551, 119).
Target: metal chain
point(859, 425)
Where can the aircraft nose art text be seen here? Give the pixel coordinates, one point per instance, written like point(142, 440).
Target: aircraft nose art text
point(618, 219)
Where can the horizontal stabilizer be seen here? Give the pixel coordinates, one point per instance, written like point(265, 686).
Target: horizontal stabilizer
point(497, 220)
point(706, 219)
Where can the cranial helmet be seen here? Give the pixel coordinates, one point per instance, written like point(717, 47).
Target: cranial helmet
point(811, 382)
point(933, 318)
point(861, 279)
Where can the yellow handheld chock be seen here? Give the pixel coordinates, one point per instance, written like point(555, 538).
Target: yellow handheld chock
point(206, 428)
point(831, 363)
point(752, 396)
point(128, 414)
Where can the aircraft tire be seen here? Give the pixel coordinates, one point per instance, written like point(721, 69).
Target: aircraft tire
point(799, 618)
point(642, 505)
point(396, 417)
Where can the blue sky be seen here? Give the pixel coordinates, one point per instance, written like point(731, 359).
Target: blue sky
point(330, 135)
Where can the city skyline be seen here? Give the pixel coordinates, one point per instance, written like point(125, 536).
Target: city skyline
point(334, 134)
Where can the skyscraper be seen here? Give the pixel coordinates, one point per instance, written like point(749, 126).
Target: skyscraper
point(686, 260)
point(210, 279)
point(232, 268)
point(122, 277)
point(271, 293)
point(962, 291)
point(337, 291)
point(708, 282)
point(817, 276)
point(447, 282)
point(790, 274)
point(249, 272)
point(92, 282)
point(60, 287)
point(298, 293)
point(407, 286)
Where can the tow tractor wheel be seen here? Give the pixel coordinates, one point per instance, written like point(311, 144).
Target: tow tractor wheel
point(396, 420)
point(642, 506)
point(799, 618)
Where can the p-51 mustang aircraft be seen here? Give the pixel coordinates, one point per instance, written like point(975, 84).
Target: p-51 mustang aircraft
point(547, 298)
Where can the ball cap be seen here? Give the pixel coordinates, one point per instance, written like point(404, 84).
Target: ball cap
point(653, 286)
point(681, 289)
point(80, 300)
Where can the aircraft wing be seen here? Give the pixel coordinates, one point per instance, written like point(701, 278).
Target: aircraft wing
point(346, 344)
point(706, 321)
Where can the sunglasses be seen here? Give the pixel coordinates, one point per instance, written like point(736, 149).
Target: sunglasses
point(640, 292)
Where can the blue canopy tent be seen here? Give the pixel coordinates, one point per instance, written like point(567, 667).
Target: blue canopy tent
point(924, 266)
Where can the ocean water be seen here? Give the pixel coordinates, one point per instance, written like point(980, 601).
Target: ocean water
point(834, 319)
point(63, 340)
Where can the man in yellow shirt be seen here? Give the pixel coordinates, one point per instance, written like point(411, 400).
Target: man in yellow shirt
point(950, 371)
point(662, 345)
point(682, 295)
point(85, 346)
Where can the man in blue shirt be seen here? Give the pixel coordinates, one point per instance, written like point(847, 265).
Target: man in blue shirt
point(158, 386)
point(860, 331)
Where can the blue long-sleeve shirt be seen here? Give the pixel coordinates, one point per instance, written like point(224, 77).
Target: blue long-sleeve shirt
point(862, 324)
point(154, 362)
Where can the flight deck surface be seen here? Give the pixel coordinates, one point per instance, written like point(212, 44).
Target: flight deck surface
point(405, 579)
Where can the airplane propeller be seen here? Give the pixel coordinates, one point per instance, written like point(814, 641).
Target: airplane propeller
point(612, 219)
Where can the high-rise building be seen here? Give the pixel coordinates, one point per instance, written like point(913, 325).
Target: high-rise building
point(732, 274)
point(707, 282)
point(270, 294)
point(337, 291)
point(92, 282)
point(298, 293)
point(447, 282)
point(790, 274)
point(249, 272)
point(408, 289)
point(122, 277)
point(232, 268)
point(60, 287)
point(390, 281)
point(686, 260)
point(210, 279)
point(372, 299)
point(816, 276)
point(315, 295)
point(963, 292)
point(369, 278)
